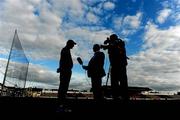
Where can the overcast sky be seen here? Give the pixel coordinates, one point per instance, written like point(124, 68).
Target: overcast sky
point(150, 29)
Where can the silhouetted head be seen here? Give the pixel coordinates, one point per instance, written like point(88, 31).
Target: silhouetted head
point(70, 43)
point(113, 37)
point(96, 47)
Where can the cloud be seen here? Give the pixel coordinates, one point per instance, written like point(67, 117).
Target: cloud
point(163, 15)
point(118, 22)
point(170, 7)
point(80, 81)
point(41, 74)
point(109, 6)
point(85, 38)
point(128, 24)
point(162, 39)
point(36, 74)
point(133, 21)
point(2, 68)
point(45, 26)
point(176, 12)
point(92, 18)
point(43, 29)
point(157, 66)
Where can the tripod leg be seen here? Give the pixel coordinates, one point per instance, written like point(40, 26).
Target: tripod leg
point(108, 75)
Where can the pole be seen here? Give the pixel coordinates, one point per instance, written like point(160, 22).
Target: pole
point(24, 89)
point(5, 74)
point(108, 75)
point(26, 76)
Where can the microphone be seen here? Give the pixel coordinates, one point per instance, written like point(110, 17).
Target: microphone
point(79, 60)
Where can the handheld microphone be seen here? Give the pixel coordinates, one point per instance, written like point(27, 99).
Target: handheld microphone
point(79, 60)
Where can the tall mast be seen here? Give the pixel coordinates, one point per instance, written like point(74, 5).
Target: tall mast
point(5, 74)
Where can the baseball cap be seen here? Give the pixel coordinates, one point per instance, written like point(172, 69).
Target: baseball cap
point(71, 42)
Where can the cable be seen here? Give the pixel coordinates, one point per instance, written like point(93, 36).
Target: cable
point(107, 67)
point(87, 78)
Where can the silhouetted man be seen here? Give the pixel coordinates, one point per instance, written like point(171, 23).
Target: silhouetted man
point(96, 71)
point(118, 62)
point(65, 66)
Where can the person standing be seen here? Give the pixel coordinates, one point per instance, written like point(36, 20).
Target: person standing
point(118, 62)
point(65, 66)
point(96, 71)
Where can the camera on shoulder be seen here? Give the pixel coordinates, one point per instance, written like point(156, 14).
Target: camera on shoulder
point(107, 41)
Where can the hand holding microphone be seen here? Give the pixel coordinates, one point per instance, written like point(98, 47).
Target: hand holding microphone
point(81, 63)
point(79, 60)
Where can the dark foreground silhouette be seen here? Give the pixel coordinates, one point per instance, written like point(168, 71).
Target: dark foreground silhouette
point(81, 106)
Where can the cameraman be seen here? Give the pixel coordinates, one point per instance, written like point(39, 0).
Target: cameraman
point(118, 61)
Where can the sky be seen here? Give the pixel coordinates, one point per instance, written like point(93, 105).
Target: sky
point(150, 29)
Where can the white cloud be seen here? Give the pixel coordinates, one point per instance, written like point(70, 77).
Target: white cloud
point(98, 9)
point(170, 11)
point(157, 66)
point(176, 12)
point(162, 39)
point(92, 18)
point(41, 74)
point(45, 33)
point(85, 39)
point(35, 2)
point(133, 21)
point(109, 6)
point(80, 81)
point(128, 24)
point(163, 15)
point(178, 17)
point(118, 22)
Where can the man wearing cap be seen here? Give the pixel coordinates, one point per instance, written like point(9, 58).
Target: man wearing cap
point(65, 66)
